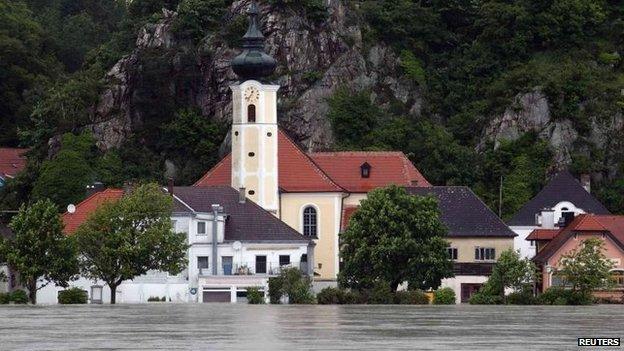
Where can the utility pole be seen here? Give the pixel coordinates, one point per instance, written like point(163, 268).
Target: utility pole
point(500, 198)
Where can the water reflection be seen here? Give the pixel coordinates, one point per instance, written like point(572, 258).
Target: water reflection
point(245, 327)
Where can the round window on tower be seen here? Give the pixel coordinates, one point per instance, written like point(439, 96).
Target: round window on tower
point(236, 133)
point(251, 192)
point(251, 154)
point(269, 134)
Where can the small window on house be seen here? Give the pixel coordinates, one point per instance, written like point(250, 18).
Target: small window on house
point(261, 264)
point(201, 228)
point(365, 170)
point(452, 253)
point(251, 154)
point(202, 262)
point(251, 113)
point(485, 254)
point(284, 260)
point(309, 221)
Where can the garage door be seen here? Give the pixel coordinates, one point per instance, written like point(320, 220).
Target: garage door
point(217, 296)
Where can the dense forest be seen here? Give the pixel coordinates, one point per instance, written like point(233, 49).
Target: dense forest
point(478, 93)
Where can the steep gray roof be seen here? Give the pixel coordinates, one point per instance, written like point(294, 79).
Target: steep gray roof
point(246, 221)
point(463, 213)
point(562, 187)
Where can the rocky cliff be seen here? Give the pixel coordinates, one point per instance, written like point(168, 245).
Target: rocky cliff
point(314, 59)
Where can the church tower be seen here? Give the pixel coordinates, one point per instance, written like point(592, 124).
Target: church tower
point(254, 120)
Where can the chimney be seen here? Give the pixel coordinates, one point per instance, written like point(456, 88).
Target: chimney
point(586, 182)
point(547, 217)
point(170, 186)
point(241, 195)
point(94, 187)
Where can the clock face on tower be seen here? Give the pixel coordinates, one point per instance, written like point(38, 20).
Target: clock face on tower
point(252, 95)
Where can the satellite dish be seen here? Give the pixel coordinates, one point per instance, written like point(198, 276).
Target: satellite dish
point(237, 245)
point(71, 208)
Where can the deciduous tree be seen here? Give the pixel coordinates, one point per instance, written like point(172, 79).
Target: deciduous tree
point(395, 237)
point(39, 251)
point(586, 268)
point(126, 239)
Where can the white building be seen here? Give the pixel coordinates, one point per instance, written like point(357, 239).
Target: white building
point(233, 244)
point(557, 203)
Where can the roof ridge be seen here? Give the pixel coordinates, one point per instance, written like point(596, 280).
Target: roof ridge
point(356, 152)
point(321, 172)
point(94, 195)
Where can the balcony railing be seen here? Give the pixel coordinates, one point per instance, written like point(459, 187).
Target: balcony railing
point(244, 269)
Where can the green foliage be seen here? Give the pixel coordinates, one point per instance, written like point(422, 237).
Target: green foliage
point(291, 283)
point(353, 117)
point(392, 238)
point(276, 290)
point(329, 296)
point(522, 297)
point(20, 297)
point(411, 297)
point(125, 239)
point(5, 298)
point(255, 296)
point(72, 296)
point(444, 296)
point(412, 67)
point(510, 272)
point(561, 296)
point(39, 251)
point(481, 298)
point(192, 141)
point(314, 10)
point(380, 294)
point(155, 299)
point(586, 269)
point(197, 18)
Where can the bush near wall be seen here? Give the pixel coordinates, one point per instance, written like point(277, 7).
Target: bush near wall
point(411, 297)
point(560, 296)
point(444, 296)
point(255, 296)
point(336, 296)
point(72, 296)
point(19, 297)
point(5, 298)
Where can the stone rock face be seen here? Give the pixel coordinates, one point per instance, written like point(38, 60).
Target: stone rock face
point(314, 60)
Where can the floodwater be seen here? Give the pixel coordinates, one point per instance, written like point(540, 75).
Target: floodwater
point(252, 327)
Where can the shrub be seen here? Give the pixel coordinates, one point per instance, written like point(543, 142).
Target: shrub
point(330, 296)
point(522, 297)
point(153, 299)
point(560, 296)
point(481, 298)
point(163, 299)
point(19, 296)
point(380, 295)
point(300, 294)
point(444, 296)
point(351, 297)
point(72, 296)
point(5, 298)
point(255, 296)
point(412, 297)
point(275, 289)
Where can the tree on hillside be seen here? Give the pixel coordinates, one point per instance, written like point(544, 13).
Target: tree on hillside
point(125, 239)
point(395, 237)
point(39, 251)
point(586, 268)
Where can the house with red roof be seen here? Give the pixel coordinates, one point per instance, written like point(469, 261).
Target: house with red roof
point(552, 244)
point(12, 161)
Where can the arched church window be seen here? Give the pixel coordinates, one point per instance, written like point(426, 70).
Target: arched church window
point(310, 222)
point(251, 113)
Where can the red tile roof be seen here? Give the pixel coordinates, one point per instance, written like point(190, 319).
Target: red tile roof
point(87, 207)
point(613, 226)
point(347, 212)
point(543, 234)
point(328, 172)
point(297, 171)
point(12, 161)
point(387, 167)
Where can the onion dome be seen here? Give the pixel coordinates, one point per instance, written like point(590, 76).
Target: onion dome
point(253, 62)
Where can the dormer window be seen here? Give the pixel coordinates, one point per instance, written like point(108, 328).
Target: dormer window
point(251, 113)
point(365, 170)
